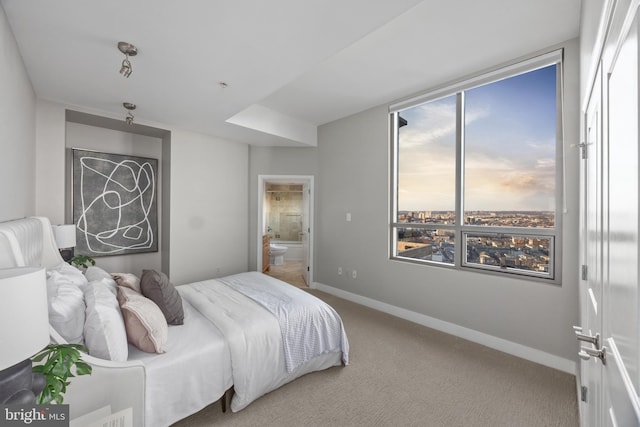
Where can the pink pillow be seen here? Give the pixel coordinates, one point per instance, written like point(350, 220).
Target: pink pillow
point(144, 322)
point(129, 280)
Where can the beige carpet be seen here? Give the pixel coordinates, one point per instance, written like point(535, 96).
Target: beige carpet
point(403, 374)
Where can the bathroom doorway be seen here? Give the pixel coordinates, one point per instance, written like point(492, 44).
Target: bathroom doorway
point(285, 210)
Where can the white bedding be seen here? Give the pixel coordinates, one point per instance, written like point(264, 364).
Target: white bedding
point(309, 327)
point(254, 338)
point(174, 393)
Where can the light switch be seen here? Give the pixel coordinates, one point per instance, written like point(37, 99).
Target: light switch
point(348, 216)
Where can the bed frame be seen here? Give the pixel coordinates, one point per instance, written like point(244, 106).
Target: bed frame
point(29, 242)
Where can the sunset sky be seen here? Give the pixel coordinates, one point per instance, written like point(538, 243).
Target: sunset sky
point(510, 148)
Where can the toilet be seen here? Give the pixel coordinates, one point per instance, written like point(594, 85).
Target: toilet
point(276, 254)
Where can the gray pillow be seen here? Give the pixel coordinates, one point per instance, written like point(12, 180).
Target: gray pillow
point(156, 286)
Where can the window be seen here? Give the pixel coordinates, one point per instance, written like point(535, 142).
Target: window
point(477, 172)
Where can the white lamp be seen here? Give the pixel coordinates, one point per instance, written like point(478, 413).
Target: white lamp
point(24, 330)
point(65, 239)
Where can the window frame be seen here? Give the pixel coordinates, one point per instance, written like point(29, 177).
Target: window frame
point(462, 230)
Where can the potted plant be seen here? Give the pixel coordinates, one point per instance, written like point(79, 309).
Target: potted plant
point(59, 360)
point(82, 261)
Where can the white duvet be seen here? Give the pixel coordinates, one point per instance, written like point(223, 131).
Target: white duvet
point(254, 337)
point(309, 326)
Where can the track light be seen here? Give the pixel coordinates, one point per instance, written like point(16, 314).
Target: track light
point(126, 70)
point(129, 118)
point(128, 50)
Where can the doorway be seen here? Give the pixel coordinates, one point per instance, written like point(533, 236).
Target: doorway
point(285, 214)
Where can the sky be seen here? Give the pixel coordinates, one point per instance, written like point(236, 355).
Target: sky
point(510, 143)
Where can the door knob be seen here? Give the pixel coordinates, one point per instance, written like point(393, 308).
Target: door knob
point(593, 339)
point(587, 353)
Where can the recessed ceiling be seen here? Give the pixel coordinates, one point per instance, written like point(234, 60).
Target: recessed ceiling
point(289, 65)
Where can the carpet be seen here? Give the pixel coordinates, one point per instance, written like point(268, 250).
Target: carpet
point(405, 374)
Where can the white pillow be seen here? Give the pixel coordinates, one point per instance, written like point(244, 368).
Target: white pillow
point(74, 275)
point(96, 273)
point(66, 307)
point(104, 332)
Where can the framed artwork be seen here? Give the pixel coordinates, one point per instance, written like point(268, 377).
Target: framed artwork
point(114, 201)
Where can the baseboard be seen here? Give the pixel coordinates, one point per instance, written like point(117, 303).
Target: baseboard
point(509, 347)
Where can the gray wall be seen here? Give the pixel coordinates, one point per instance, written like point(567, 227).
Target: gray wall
point(274, 161)
point(17, 130)
point(353, 162)
point(117, 142)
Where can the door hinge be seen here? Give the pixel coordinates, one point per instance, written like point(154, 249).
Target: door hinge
point(584, 272)
point(308, 268)
point(583, 148)
point(583, 393)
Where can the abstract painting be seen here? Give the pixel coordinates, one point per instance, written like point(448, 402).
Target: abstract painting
point(114, 203)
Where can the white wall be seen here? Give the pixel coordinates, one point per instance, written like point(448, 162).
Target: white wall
point(208, 205)
point(209, 216)
point(591, 12)
point(50, 161)
point(353, 163)
point(17, 130)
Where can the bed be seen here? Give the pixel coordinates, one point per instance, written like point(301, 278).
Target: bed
point(248, 332)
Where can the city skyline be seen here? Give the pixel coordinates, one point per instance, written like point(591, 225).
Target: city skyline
point(525, 250)
point(529, 219)
point(510, 148)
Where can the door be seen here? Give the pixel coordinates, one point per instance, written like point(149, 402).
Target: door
point(306, 223)
point(609, 296)
point(591, 285)
point(306, 229)
point(621, 405)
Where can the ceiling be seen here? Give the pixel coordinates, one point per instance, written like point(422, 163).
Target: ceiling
point(289, 65)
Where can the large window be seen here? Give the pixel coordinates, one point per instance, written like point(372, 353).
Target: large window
point(477, 172)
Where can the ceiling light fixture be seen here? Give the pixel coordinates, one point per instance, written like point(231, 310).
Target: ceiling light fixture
point(129, 106)
point(129, 50)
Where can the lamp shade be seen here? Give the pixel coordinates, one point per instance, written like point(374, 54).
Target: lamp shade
point(65, 235)
point(24, 316)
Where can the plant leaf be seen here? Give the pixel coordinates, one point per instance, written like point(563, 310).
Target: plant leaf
point(83, 368)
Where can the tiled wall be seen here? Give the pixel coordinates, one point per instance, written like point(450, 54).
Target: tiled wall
point(284, 212)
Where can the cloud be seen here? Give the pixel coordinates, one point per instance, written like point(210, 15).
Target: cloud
point(503, 171)
point(433, 123)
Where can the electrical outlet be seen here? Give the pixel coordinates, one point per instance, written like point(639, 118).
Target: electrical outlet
point(339, 271)
point(354, 274)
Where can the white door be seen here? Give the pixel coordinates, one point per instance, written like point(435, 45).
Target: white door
point(306, 228)
point(611, 234)
point(592, 279)
point(621, 379)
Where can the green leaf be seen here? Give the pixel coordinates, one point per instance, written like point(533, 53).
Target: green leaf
point(83, 368)
point(61, 359)
point(40, 356)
